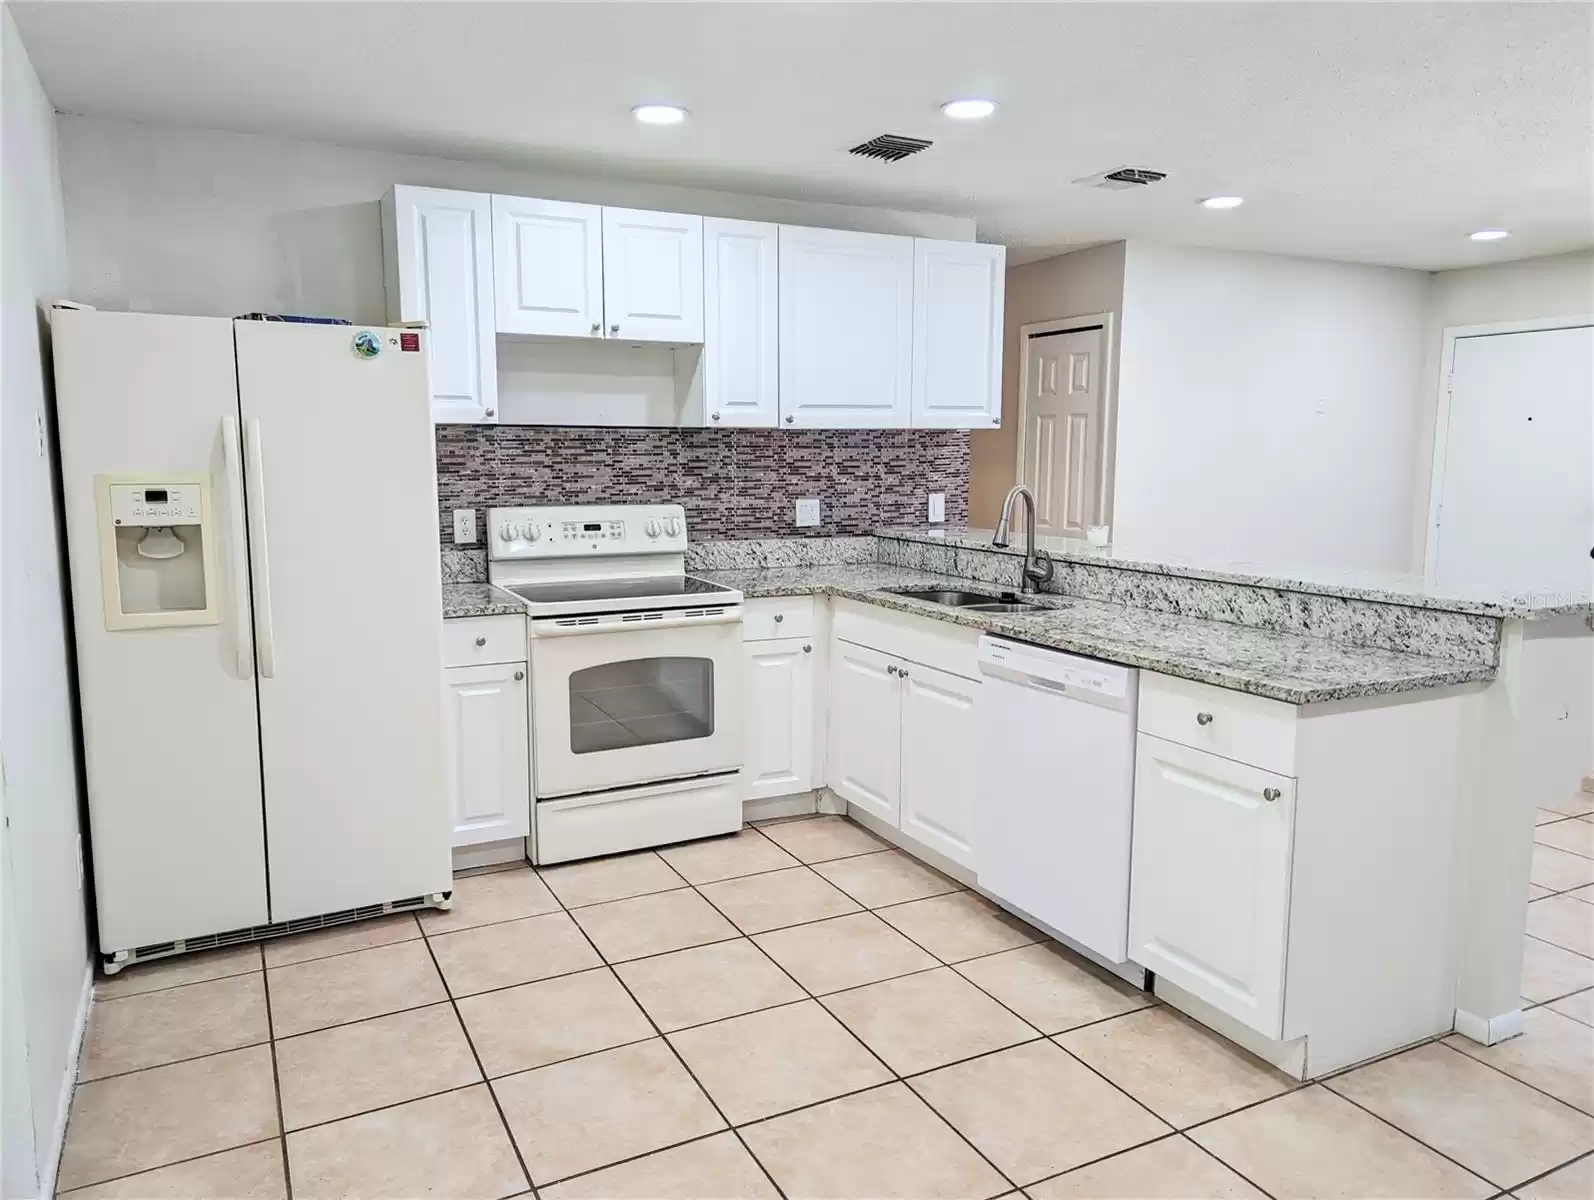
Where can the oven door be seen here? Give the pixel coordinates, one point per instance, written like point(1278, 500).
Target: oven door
point(634, 698)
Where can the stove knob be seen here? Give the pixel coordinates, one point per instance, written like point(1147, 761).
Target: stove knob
point(531, 531)
point(506, 532)
point(672, 526)
point(651, 528)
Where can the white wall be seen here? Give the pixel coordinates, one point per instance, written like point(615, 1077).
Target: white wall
point(171, 219)
point(44, 954)
point(1266, 408)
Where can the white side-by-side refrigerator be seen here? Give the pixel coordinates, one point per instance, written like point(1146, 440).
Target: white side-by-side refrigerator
point(251, 514)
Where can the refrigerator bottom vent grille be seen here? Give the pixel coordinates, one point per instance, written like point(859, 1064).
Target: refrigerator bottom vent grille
point(259, 933)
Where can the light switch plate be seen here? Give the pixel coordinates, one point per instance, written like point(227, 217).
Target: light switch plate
point(937, 507)
point(808, 512)
point(464, 527)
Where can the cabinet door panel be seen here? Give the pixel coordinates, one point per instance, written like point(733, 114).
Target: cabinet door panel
point(865, 759)
point(957, 334)
point(778, 688)
point(1209, 885)
point(548, 267)
point(652, 276)
point(940, 747)
point(489, 777)
point(740, 310)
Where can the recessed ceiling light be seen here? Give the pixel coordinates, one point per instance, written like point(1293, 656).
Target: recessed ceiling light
point(1223, 202)
point(968, 110)
point(1489, 235)
point(659, 114)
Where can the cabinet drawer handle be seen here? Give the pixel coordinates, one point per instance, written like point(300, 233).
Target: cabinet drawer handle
point(1271, 794)
point(808, 649)
point(481, 641)
point(597, 328)
point(519, 675)
point(1203, 718)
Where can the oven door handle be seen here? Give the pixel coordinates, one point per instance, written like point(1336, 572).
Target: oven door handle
point(544, 629)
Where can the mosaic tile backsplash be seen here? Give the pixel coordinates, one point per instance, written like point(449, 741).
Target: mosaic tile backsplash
point(735, 483)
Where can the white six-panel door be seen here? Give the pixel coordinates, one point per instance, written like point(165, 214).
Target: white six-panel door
point(741, 365)
point(778, 688)
point(957, 334)
point(652, 276)
point(1062, 428)
point(489, 779)
point(548, 267)
point(940, 747)
point(865, 763)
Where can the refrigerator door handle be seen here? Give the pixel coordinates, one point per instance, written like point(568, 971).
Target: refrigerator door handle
point(255, 477)
point(237, 549)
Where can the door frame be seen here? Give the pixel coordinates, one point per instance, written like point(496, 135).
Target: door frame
point(1453, 334)
point(1106, 450)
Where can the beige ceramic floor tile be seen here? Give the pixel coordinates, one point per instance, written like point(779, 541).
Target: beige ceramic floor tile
point(959, 926)
point(495, 956)
point(351, 987)
point(1543, 816)
point(1051, 989)
point(451, 1145)
point(179, 969)
point(927, 1020)
point(820, 839)
point(132, 1032)
point(1560, 870)
point(657, 924)
point(599, 880)
point(885, 1144)
point(889, 877)
point(1172, 1169)
point(589, 1112)
point(1575, 1182)
point(1549, 972)
point(166, 1114)
point(1486, 1121)
point(1585, 893)
point(340, 939)
point(1576, 837)
point(712, 1168)
point(539, 1023)
point(776, 899)
point(484, 899)
point(1579, 1006)
point(1575, 804)
point(772, 1061)
point(707, 983)
point(1535, 892)
point(746, 852)
point(1564, 922)
point(1034, 1110)
point(247, 1173)
point(1178, 1069)
point(843, 952)
point(354, 1068)
point(1312, 1144)
point(1553, 1053)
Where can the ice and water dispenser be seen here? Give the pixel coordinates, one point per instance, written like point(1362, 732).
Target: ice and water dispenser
point(157, 551)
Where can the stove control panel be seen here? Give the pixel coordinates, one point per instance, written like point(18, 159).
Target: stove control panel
point(560, 531)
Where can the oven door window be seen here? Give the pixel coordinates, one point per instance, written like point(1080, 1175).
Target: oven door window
point(641, 702)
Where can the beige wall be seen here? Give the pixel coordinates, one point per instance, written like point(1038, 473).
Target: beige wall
point(1070, 285)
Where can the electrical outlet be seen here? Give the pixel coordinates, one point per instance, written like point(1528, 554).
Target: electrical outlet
point(464, 527)
point(937, 507)
point(808, 512)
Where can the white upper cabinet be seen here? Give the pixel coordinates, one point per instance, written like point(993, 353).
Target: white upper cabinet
point(846, 329)
point(957, 334)
point(741, 366)
point(652, 276)
point(548, 264)
point(438, 266)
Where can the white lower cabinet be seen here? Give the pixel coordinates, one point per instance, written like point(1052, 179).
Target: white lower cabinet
point(778, 691)
point(1210, 893)
point(940, 746)
point(865, 729)
point(489, 763)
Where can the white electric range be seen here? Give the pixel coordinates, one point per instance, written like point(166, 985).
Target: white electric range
point(636, 734)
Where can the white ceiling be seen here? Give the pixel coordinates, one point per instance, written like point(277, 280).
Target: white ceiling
point(1380, 132)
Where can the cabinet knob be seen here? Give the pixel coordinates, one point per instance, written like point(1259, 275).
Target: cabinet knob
point(715, 416)
point(597, 328)
point(614, 329)
point(891, 670)
point(903, 671)
point(1203, 718)
point(519, 675)
point(1271, 794)
point(808, 649)
point(481, 641)
point(491, 412)
point(996, 420)
point(779, 617)
point(790, 419)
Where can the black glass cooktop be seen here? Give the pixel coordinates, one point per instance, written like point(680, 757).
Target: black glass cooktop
point(654, 587)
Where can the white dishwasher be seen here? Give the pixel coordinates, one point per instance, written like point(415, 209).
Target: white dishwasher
point(1057, 758)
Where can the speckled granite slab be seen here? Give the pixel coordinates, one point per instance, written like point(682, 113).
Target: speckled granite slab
point(758, 553)
point(1280, 666)
point(464, 565)
point(479, 600)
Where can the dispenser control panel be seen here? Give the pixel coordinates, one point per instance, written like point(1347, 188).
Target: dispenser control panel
point(156, 504)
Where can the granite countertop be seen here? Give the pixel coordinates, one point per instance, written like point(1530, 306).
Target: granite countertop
point(1278, 666)
point(479, 600)
point(1387, 587)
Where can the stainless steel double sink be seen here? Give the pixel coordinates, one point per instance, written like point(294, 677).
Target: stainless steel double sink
point(973, 601)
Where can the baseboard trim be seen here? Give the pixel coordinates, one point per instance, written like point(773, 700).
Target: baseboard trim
point(766, 808)
point(1588, 782)
point(1288, 1056)
point(1487, 1031)
point(490, 854)
point(80, 1025)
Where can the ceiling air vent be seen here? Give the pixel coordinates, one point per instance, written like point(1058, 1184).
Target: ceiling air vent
point(1123, 177)
point(891, 147)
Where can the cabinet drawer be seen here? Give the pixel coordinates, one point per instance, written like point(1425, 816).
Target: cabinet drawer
point(471, 641)
point(777, 617)
point(1245, 728)
point(924, 640)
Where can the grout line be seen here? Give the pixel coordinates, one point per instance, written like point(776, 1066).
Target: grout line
point(1407, 1134)
point(176, 1162)
point(1485, 1062)
point(1535, 1179)
point(1224, 1165)
point(171, 1062)
point(276, 1087)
